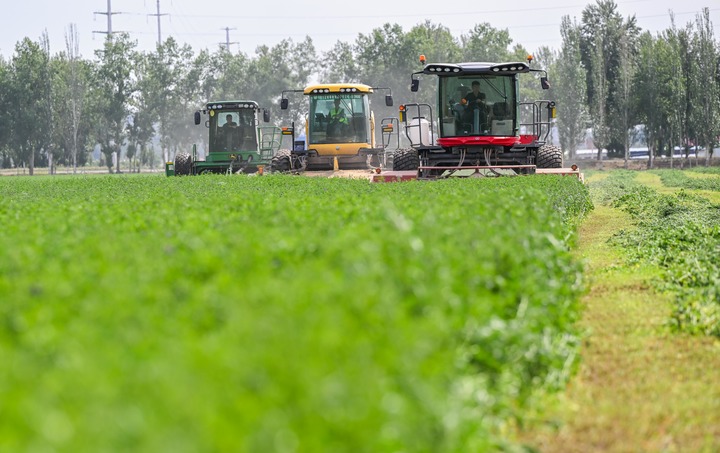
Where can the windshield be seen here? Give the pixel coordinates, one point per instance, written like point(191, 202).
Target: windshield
point(233, 130)
point(338, 118)
point(477, 105)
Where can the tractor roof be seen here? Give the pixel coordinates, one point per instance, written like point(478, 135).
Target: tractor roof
point(473, 68)
point(338, 88)
point(219, 105)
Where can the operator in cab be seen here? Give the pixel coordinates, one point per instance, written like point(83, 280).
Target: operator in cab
point(229, 122)
point(337, 121)
point(229, 134)
point(475, 101)
point(337, 113)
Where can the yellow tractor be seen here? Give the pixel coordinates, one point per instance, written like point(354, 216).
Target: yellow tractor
point(339, 129)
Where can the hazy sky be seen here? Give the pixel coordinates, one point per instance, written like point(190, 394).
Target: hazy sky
point(202, 24)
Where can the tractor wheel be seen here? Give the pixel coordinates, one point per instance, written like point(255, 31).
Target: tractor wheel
point(406, 159)
point(281, 161)
point(183, 164)
point(549, 156)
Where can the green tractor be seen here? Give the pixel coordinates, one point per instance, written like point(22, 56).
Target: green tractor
point(236, 144)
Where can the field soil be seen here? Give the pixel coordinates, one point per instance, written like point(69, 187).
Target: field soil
point(640, 387)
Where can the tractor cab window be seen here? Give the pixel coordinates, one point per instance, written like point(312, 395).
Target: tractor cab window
point(477, 105)
point(338, 118)
point(233, 131)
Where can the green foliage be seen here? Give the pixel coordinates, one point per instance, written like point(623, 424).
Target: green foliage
point(705, 79)
point(486, 43)
point(679, 233)
point(568, 75)
point(27, 87)
point(609, 189)
point(608, 46)
point(282, 313)
point(706, 170)
point(111, 100)
point(679, 178)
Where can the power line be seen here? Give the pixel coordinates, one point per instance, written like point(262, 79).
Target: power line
point(391, 16)
point(189, 23)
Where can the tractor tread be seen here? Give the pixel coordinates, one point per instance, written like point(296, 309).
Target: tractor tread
point(405, 159)
point(183, 164)
point(549, 156)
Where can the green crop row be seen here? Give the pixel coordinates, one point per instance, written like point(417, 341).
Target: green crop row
point(705, 170)
point(681, 234)
point(680, 178)
point(617, 183)
point(280, 313)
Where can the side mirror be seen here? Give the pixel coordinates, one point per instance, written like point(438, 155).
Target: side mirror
point(197, 117)
point(266, 116)
point(414, 85)
point(388, 100)
point(284, 103)
point(545, 83)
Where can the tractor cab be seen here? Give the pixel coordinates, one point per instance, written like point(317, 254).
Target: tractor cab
point(478, 128)
point(477, 105)
point(232, 127)
point(235, 142)
point(339, 129)
point(340, 117)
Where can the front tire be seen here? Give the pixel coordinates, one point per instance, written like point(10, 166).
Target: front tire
point(183, 164)
point(406, 160)
point(281, 161)
point(549, 156)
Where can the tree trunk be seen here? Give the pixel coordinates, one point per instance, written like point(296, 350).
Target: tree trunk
point(627, 149)
point(672, 152)
point(31, 166)
point(74, 152)
point(117, 160)
point(708, 154)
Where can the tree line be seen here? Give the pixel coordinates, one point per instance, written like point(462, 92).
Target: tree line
point(608, 76)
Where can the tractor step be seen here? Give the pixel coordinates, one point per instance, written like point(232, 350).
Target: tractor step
point(394, 176)
point(561, 171)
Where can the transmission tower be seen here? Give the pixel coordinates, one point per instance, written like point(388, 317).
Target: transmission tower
point(109, 13)
point(227, 38)
point(158, 15)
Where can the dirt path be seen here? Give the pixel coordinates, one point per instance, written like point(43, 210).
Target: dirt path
point(639, 388)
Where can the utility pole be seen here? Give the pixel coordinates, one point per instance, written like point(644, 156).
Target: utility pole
point(109, 15)
point(158, 15)
point(227, 38)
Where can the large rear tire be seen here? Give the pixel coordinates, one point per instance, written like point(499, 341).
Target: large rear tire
point(406, 160)
point(549, 156)
point(183, 164)
point(281, 161)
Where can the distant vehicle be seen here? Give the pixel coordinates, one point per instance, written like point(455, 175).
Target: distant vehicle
point(480, 130)
point(236, 141)
point(339, 129)
point(639, 153)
